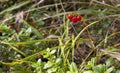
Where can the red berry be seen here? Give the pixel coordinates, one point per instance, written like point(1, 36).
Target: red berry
point(74, 19)
point(70, 16)
point(79, 18)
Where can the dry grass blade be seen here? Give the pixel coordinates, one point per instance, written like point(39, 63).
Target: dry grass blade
point(18, 22)
point(113, 54)
point(15, 7)
point(117, 9)
point(91, 2)
point(52, 36)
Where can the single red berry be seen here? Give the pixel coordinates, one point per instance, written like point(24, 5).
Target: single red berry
point(70, 16)
point(74, 19)
point(79, 18)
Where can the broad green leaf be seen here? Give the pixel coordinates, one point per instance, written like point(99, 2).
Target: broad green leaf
point(89, 71)
point(73, 68)
point(109, 70)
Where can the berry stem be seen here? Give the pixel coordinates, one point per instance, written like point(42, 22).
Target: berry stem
point(89, 35)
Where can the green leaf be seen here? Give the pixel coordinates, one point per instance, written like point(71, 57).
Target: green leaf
point(58, 60)
point(108, 62)
point(96, 69)
point(91, 63)
point(34, 30)
point(118, 71)
point(89, 71)
point(106, 24)
point(99, 68)
point(48, 65)
point(19, 69)
point(109, 70)
point(40, 23)
point(112, 49)
point(73, 68)
point(1, 70)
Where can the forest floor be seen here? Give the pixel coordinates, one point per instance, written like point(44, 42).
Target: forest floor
point(59, 36)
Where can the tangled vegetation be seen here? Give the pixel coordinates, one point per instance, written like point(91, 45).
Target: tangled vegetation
point(59, 36)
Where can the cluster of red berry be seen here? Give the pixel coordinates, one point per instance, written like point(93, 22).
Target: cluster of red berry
point(73, 18)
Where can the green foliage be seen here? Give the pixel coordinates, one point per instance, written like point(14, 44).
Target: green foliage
point(53, 65)
point(73, 68)
point(19, 69)
point(100, 68)
point(1, 70)
point(47, 33)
